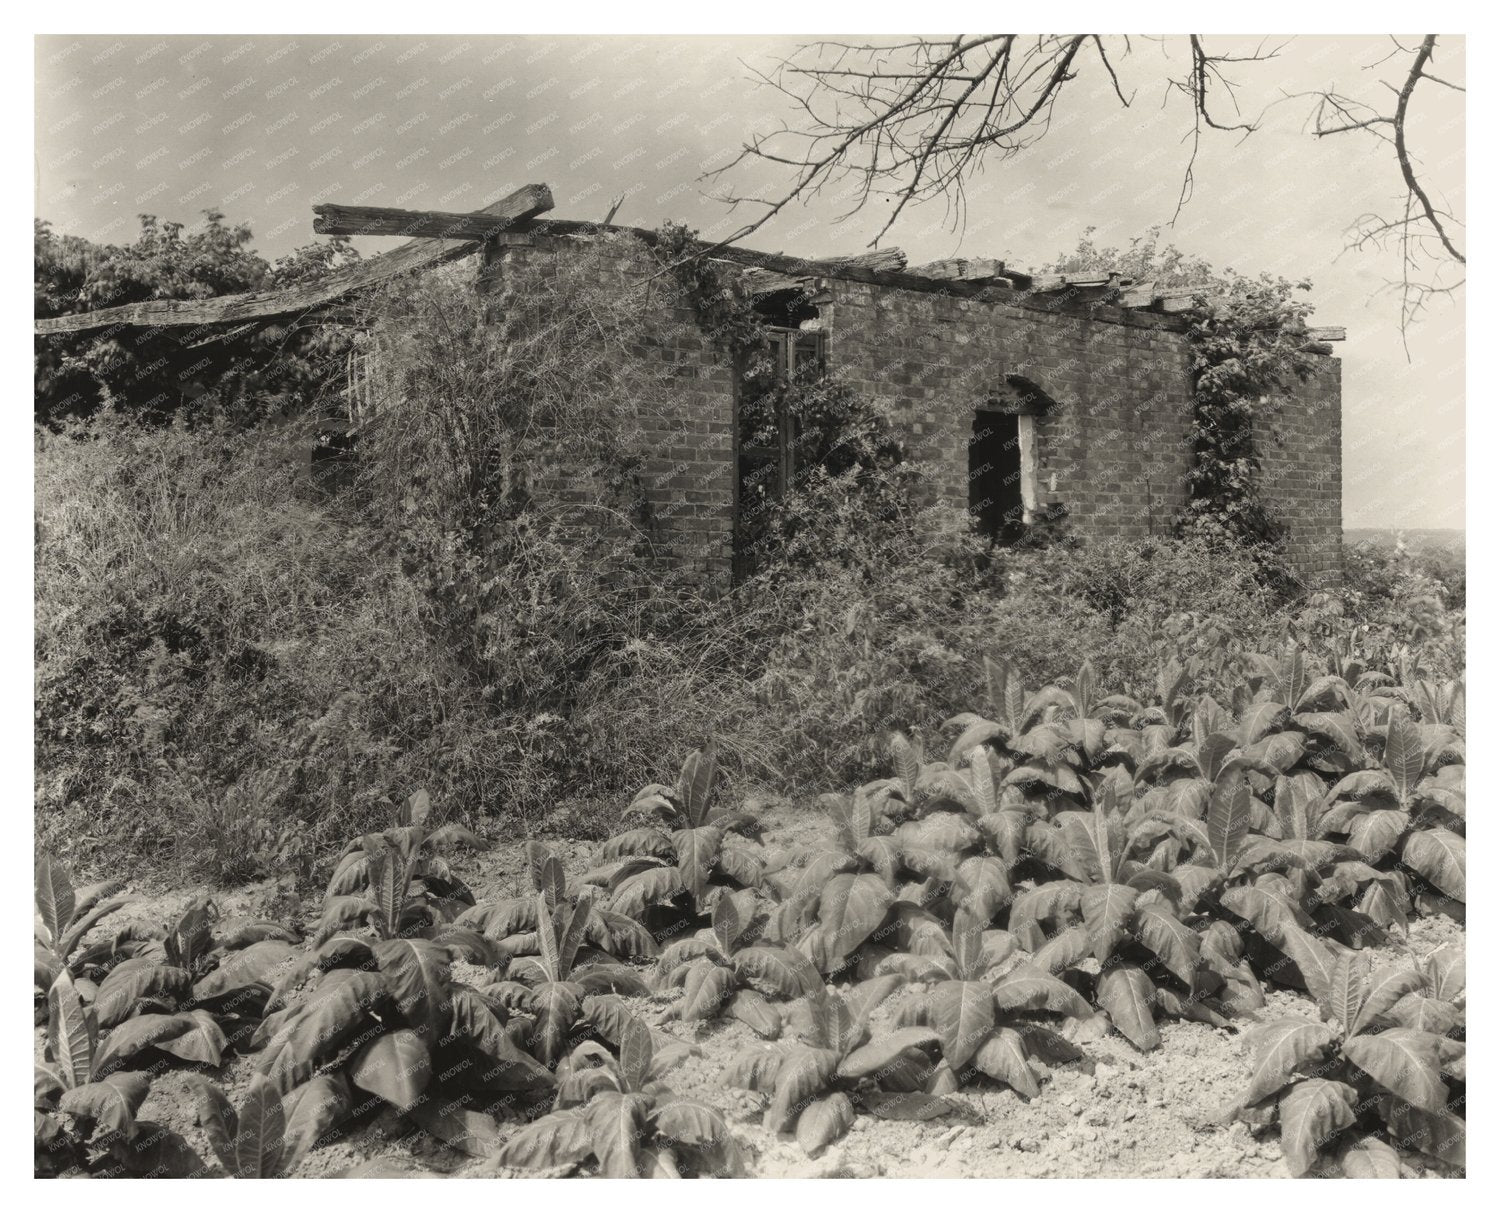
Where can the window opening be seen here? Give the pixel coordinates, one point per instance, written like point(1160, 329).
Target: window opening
point(766, 431)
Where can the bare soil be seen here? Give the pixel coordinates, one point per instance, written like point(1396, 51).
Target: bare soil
point(1122, 1113)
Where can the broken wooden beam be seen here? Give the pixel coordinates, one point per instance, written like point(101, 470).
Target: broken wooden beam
point(768, 282)
point(1180, 299)
point(1332, 332)
point(962, 269)
point(1139, 294)
point(1079, 279)
point(287, 301)
point(335, 219)
point(881, 261)
point(1094, 278)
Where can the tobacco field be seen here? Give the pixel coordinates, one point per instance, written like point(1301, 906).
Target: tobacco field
point(1075, 934)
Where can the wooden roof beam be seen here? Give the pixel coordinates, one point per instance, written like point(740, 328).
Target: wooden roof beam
point(881, 261)
point(962, 269)
point(252, 305)
point(335, 219)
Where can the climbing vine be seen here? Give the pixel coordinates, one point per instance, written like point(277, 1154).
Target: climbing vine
point(852, 473)
point(721, 301)
point(1247, 348)
point(1247, 337)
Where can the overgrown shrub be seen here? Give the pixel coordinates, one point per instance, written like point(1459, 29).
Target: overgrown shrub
point(238, 664)
point(461, 617)
point(865, 647)
point(227, 666)
point(253, 371)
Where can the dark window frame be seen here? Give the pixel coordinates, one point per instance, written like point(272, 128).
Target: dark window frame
point(791, 349)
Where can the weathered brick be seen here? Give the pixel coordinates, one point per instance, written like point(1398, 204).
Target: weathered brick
point(1115, 452)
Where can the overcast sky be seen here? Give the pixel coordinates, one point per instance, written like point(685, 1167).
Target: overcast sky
point(263, 127)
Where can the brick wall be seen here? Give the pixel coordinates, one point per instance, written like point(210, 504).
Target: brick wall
point(682, 424)
point(1114, 452)
point(1299, 436)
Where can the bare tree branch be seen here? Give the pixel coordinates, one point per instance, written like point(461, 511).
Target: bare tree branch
point(1425, 233)
point(892, 124)
point(907, 121)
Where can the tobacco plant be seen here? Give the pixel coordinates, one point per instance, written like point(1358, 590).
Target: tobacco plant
point(699, 849)
point(728, 970)
point(816, 1084)
point(195, 993)
point(268, 1135)
point(1308, 888)
point(986, 1006)
point(86, 1101)
point(1184, 776)
point(388, 1015)
point(1128, 918)
point(1287, 690)
point(1016, 727)
point(512, 921)
point(1054, 746)
point(619, 1114)
point(895, 796)
point(1335, 1087)
point(565, 995)
point(64, 915)
point(399, 884)
point(1412, 806)
point(836, 896)
point(1439, 703)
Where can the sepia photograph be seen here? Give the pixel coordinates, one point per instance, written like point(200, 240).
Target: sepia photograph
point(741, 605)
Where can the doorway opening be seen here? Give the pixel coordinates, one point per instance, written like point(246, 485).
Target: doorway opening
point(996, 501)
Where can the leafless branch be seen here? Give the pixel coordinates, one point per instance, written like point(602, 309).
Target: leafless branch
point(904, 122)
point(1425, 233)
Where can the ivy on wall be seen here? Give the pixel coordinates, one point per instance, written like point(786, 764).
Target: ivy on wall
point(722, 302)
point(1246, 350)
point(1246, 336)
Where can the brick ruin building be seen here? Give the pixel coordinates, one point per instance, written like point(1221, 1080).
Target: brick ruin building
point(1023, 395)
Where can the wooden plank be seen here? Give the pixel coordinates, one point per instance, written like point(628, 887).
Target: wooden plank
point(768, 282)
point(1097, 278)
point(962, 269)
point(1334, 332)
point(882, 261)
point(252, 305)
point(1089, 281)
point(1181, 298)
point(1138, 295)
point(336, 219)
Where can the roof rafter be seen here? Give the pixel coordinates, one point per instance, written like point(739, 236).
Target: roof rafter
point(517, 207)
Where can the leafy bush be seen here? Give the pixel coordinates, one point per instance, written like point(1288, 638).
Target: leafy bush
point(227, 671)
point(269, 663)
point(252, 371)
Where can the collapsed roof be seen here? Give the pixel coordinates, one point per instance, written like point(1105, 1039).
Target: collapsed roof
point(446, 236)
